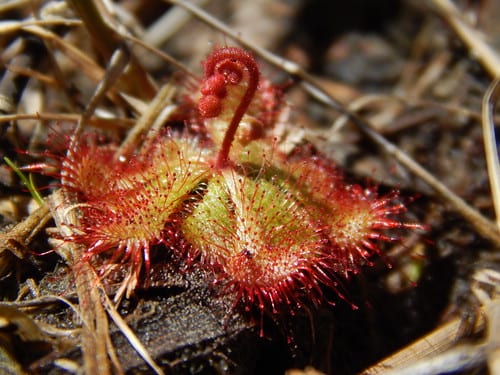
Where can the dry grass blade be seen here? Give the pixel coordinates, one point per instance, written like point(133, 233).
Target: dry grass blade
point(461, 358)
point(414, 359)
point(145, 122)
point(490, 145)
point(96, 343)
point(9, 5)
point(358, 104)
point(97, 346)
point(98, 122)
point(117, 65)
point(95, 15)
point(46, 79)
point(8, 27)
point(86, 65)
point(483, 226)
point(95, 333)
point(167, 58)
point(436, 353)
point(486, 287)
point(129, 334)
point(168, 24)
point(472, 38)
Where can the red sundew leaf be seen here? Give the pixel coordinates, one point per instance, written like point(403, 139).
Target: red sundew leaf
point(352, 218)
point(90, 170)
point(260, 239)
point(127, 206)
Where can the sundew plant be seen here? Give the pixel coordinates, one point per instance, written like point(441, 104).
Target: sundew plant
point(274, 227)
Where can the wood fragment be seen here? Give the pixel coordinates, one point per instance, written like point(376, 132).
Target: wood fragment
point(16, 240)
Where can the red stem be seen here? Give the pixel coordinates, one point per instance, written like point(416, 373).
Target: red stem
point(231, 61)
